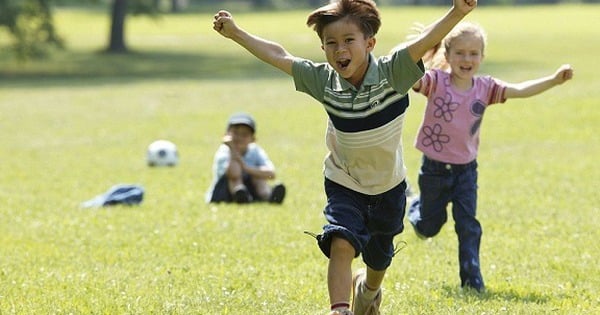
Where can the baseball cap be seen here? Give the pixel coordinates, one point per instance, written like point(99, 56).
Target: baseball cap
point(242, 119)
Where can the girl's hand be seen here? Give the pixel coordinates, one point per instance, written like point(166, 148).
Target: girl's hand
point(563, 74)
point(465, 6)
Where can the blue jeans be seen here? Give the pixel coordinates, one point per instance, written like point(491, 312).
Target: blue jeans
point(440, 184)
point(368, 222)
point(221, 191)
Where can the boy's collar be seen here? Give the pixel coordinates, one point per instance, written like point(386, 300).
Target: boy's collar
point(371, 77)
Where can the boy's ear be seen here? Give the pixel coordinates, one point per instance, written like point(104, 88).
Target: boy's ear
point(371, 43)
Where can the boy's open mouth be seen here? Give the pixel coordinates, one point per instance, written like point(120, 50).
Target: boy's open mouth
point(343, 63)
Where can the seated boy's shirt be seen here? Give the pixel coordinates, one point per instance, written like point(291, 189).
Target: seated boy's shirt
point(255, 157)
point(364, 130)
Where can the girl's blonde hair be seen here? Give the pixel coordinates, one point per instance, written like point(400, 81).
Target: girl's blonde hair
point(435, 57)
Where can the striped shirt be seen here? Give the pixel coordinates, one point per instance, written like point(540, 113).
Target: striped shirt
point(450, 129)
point(364, 130)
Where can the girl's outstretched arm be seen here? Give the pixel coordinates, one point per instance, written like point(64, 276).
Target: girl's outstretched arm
point(537, 86)
point(434, 33)
point(267, 51)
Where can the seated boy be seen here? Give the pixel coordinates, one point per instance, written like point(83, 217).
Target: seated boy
point(241, 168)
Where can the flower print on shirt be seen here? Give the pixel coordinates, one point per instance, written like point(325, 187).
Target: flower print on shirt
point(434, 137)
point(445, 107)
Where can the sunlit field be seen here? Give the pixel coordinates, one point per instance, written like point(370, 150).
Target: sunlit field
point(76, 124)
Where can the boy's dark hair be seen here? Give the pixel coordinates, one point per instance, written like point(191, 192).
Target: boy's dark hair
point(362, 12)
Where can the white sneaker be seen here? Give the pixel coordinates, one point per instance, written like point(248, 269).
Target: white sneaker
point(360, 305)
point(414, 216)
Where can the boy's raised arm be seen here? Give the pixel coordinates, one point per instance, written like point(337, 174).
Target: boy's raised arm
point(267, 51)
point(434, 33)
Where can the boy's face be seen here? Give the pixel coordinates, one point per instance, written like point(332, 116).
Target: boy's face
point(241, 137)
point(465, 56)
point(347, 50)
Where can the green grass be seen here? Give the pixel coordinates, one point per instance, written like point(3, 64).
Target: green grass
point(79, 123)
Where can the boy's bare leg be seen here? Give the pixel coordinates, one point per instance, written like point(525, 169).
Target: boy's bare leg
point(234, 176)
point(262, 188)
point(339, 273)
point(374, 278)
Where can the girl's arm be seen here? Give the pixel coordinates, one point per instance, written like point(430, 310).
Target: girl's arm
point(267, 51)
point(537, 86)
point(434, 33)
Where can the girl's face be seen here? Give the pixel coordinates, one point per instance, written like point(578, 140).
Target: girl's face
point(347, 50)
point(465, 56)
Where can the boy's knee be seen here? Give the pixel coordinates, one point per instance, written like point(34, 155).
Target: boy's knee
point(341, 247)
point(234, 171)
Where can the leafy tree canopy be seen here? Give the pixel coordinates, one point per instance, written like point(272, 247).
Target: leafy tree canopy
point(30, 23)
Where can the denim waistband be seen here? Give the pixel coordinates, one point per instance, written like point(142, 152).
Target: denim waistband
point(449, 167)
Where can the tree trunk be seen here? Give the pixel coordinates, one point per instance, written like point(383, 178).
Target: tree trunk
point(117, 28)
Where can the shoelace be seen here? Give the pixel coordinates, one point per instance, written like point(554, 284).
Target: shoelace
point(316, 236)
point(397, 247)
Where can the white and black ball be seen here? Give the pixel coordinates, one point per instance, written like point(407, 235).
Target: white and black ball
point(162, 153)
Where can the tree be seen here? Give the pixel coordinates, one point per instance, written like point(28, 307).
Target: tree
point(119, 10)
point(116, 43)
point(30, 22)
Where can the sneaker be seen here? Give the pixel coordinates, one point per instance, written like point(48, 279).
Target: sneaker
point(414, 215)
point(361, 306)
point(277, 194)
point(470, 275)
point(341, 312)
point(242, 196)
point(474, 284)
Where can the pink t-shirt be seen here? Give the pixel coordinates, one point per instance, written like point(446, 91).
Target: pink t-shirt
point(450, 129)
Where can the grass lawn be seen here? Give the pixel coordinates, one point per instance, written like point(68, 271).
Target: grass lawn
point(76, 124)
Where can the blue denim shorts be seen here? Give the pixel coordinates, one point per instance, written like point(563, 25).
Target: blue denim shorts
point(221, 190)
point(368, 222)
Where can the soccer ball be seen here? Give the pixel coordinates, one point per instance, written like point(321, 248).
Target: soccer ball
point(162, 153)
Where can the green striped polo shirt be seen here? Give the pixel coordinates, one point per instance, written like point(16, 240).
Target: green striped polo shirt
point(364, 129)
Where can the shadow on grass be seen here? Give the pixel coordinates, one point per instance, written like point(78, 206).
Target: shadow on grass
point(506, 295)
point(88, 68)
point(98, 68)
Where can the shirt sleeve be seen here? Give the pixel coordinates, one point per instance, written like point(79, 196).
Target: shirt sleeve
point(310, 78)
point(257, 157)
point(428, 83)
point(401, 71)
point(221, 161)
point(496, 90)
